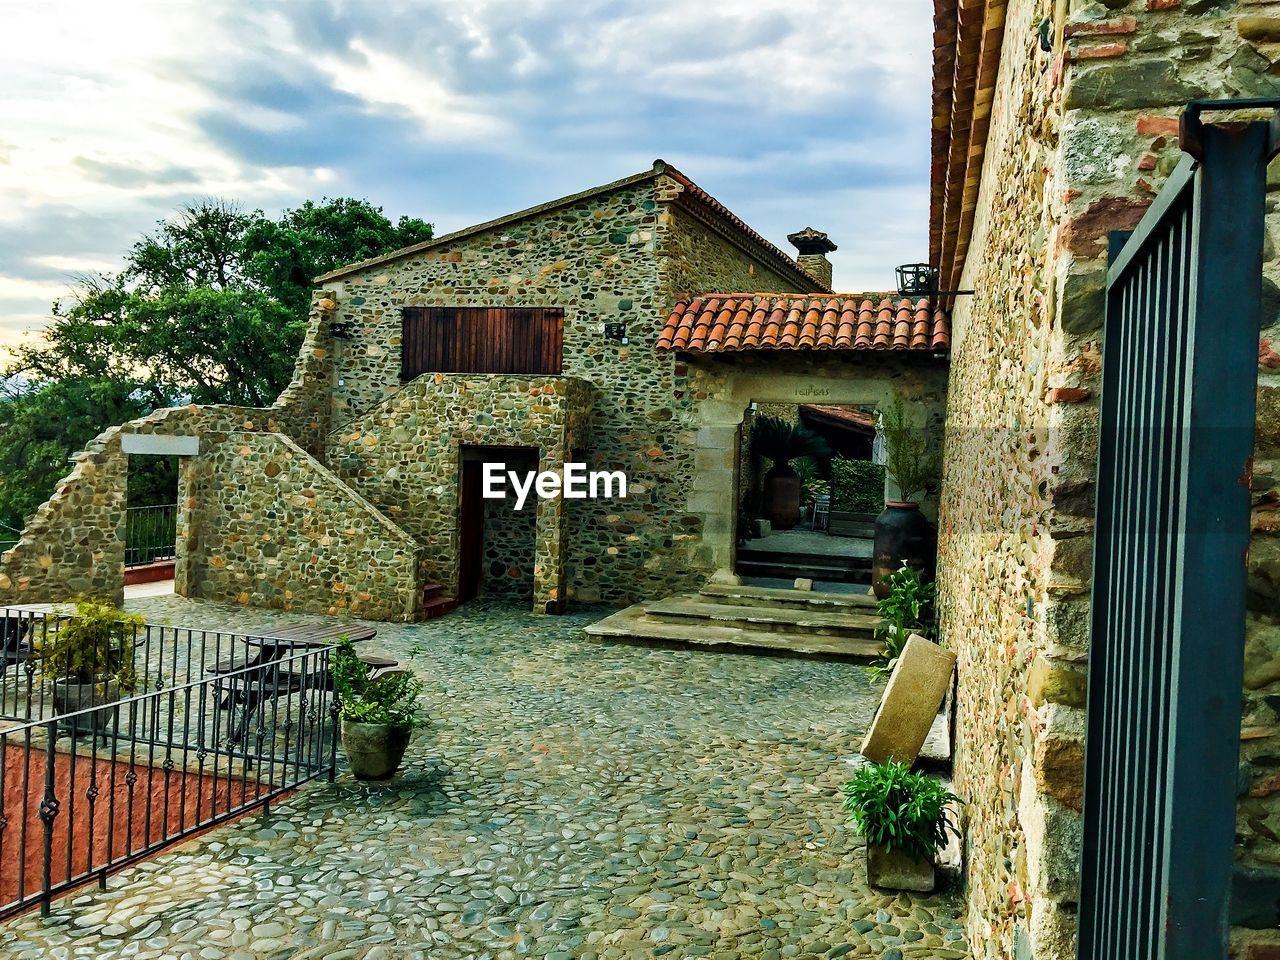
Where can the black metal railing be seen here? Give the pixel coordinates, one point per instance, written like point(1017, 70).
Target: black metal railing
point(150, 534)
point(96, 776)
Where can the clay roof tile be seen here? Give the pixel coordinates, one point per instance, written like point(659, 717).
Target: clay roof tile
point(770, 321)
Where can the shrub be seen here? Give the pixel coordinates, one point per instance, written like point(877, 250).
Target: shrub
point(96, 641)
point(893, 807)
point(908, 609)
point(812, 486)
point(909, 459)
point(857, 486)
point(390, 699)
point(781, 442)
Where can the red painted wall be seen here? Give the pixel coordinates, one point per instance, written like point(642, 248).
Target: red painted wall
point(179, 801)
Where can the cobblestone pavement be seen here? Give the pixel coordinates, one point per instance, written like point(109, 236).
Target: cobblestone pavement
point(569, 801)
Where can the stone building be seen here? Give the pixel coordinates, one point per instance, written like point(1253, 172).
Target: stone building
point(610, 327)
point(1053, 124)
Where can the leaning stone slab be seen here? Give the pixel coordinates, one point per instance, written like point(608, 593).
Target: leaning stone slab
point(916, 689)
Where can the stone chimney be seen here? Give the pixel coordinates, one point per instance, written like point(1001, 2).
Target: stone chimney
point(813, 246)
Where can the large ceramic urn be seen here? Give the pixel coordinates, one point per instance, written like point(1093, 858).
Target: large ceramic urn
point(903, 535)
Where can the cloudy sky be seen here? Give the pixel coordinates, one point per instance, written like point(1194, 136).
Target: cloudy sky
point(791, 112)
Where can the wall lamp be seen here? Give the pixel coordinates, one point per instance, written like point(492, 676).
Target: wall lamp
point(921, 280)
point(340, 331)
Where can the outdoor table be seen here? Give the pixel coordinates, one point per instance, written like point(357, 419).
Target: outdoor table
point(257, 676)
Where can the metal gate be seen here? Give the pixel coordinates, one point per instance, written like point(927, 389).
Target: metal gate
point(1180, 368)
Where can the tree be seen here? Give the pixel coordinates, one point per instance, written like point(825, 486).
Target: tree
point(209, 308)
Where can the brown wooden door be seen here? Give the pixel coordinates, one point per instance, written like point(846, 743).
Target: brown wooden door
point(481, 340)
point(470, 531)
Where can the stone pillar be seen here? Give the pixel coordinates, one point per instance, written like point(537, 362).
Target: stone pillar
point(812, 247)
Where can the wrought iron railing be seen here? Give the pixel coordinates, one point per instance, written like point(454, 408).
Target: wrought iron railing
point(215, 725)
point(151, 534)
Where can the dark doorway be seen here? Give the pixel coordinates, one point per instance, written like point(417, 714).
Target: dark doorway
point(497, 542)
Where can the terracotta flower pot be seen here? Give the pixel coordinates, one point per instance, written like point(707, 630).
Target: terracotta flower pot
point(782, 499)
point(374, 750)
point(903, 535)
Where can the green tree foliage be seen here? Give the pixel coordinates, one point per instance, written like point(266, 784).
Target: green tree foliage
point(209, 308)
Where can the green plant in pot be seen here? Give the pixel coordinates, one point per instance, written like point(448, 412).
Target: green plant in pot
point(377, 714)
point(907, 608)
point(902, 815)
point(781, 443)
point(87, 657)
point(902, 533)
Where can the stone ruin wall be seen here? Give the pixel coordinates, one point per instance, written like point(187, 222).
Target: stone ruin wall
point(275, 528)
point(1081, 140)
point(74, 544)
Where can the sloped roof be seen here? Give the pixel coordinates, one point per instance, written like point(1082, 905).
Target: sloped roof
point(692, 195)
point(967, 37)
point(726, 322)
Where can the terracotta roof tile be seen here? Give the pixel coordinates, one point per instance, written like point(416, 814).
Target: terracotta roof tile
point(727, 322)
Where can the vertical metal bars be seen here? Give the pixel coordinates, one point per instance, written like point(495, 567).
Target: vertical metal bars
point(1172, 528)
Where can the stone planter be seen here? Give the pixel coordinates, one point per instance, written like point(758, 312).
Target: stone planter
point(846, 523)
point(899, 870)
point(374, 750)
point(72, 696)
point(903, 535)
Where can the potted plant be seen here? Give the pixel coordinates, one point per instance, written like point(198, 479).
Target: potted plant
point(907, 608)
point(902, 533)
point(377, 714)
point(88, 659)
point(780, 443)
point(857, 497)
point(902, 814)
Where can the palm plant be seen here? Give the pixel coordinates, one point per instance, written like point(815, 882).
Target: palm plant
point(781, 442)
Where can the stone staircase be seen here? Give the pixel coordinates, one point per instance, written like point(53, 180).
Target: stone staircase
point(810, 623)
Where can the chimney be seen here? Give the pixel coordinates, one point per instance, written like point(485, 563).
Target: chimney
point(813, 246)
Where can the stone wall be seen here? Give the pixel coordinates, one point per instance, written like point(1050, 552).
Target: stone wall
point(510, 548)
point(404, 456)
point(272, 527)
point(1081, 140)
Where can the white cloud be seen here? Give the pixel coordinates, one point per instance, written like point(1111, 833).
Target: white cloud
point(384, 80)
point(791, 111)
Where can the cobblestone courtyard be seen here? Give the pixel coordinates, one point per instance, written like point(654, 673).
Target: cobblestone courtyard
point(568, 801)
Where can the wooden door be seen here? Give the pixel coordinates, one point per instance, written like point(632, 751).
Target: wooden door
point(470, 531)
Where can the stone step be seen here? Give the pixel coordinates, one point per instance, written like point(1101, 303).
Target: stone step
point(836, 561)
point(634, 625)
point(749, 596)
point(788, 620)
point(788, 571)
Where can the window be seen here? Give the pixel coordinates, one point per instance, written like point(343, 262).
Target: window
point(481, 340)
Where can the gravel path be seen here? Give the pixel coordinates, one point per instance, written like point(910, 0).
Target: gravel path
point(569, 801)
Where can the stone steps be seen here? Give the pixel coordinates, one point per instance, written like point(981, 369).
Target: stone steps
point(814, 566)
point(778, 620)
point(745, 595)
point(751, 619)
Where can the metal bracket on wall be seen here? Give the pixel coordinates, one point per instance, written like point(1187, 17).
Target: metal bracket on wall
point(1191, 126)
